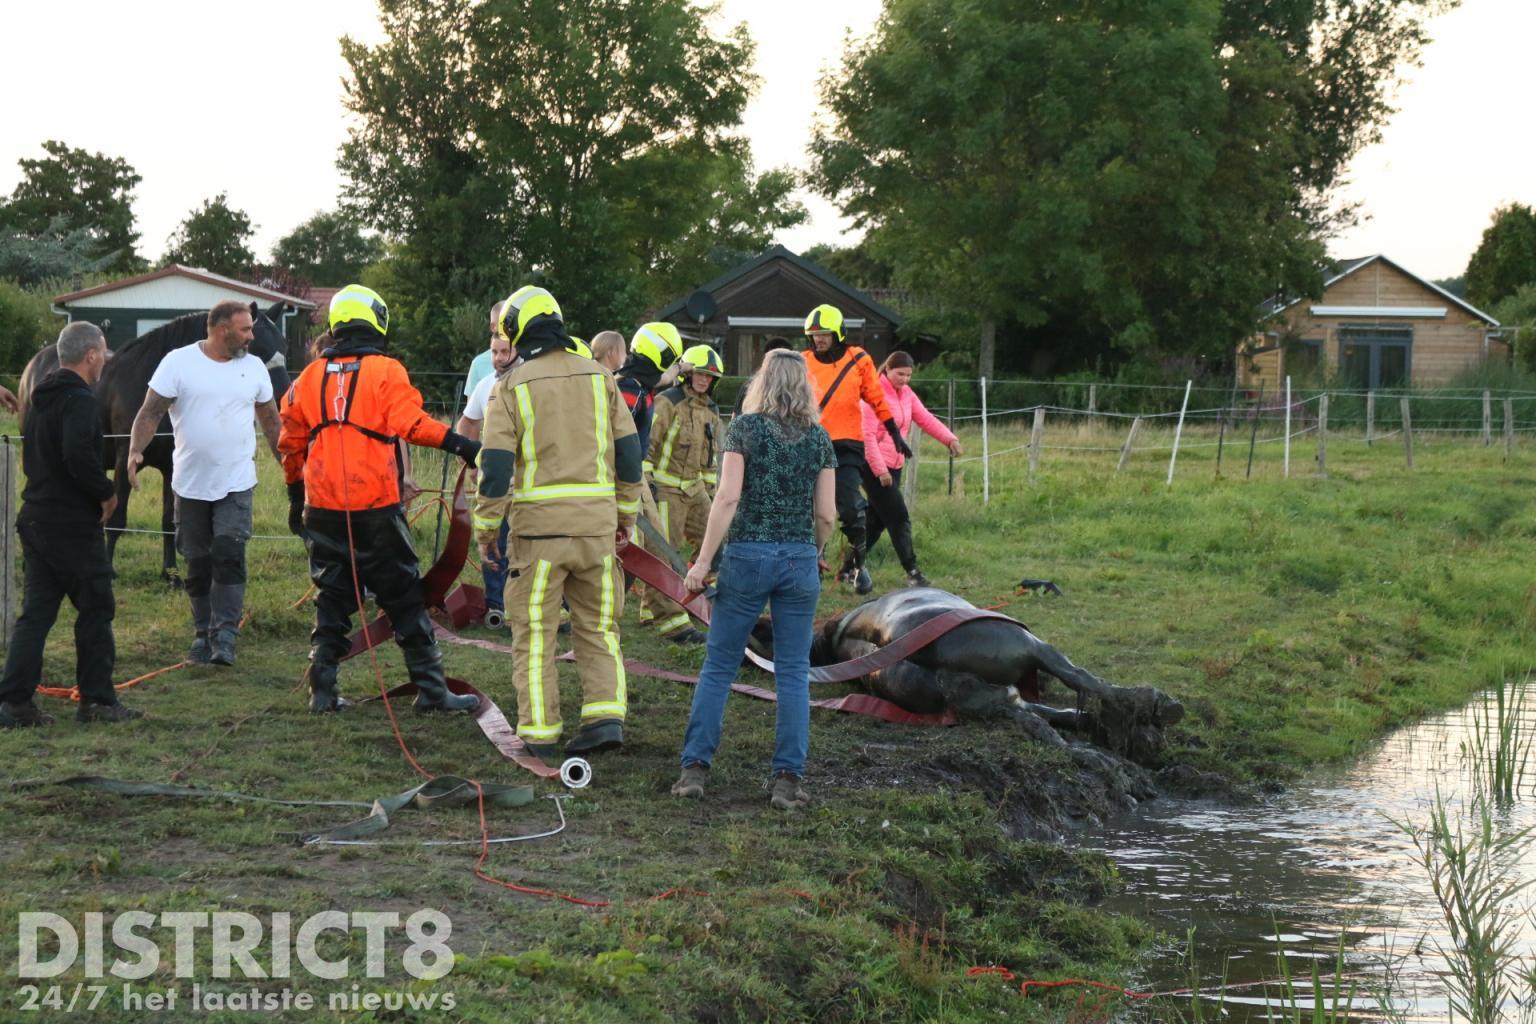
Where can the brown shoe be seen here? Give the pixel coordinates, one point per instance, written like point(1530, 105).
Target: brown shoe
point(93, 712)
point(22, 716)
point(691, 782)
point(789, 792)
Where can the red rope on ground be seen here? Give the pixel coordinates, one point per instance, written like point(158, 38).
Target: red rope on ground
point(676, 892)
point(70, 693)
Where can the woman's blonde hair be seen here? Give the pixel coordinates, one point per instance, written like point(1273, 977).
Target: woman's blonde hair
point(781, 390)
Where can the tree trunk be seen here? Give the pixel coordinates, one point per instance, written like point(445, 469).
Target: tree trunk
point(988, 352)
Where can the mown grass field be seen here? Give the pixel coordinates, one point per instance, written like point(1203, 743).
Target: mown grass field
point(1297, 619)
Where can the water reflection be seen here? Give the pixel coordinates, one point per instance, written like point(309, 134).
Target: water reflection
point(1321, 863)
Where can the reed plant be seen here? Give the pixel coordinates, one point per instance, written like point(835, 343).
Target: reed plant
point(1498, 750)
point(1322, 1004)
point(1473, 863)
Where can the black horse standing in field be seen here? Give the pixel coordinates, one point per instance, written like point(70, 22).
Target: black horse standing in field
point(121, 391)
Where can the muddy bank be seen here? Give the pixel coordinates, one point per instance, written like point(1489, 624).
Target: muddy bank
point(1038, 794)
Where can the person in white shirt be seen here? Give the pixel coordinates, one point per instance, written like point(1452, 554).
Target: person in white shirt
point(211, 390)
point(484, 366)
point(494, 572)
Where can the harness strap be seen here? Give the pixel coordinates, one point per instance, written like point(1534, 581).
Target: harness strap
point(353, 369)
point(839, 379)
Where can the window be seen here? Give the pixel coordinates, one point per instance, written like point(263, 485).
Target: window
point(1375, 357)
point(1303, 360)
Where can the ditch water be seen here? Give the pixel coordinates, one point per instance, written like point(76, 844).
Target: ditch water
point(1322, 864)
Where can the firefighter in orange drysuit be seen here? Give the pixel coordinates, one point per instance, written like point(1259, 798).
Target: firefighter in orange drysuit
point(339, 451)
point(841, 374)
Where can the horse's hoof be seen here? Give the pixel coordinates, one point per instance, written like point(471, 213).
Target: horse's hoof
point(173, 579)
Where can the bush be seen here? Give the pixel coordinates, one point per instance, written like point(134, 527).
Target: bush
point(26, 325)
point(1517, 314)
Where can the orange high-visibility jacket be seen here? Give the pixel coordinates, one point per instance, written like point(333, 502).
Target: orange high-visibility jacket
point(841, 416)
point(340, 427)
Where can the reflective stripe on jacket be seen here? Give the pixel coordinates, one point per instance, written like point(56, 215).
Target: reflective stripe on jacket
point(343, 444)
point(552, 422)
point(685, 435)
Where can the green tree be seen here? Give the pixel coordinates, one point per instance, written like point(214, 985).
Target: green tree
point(1108, 177)
point(71, 190)
point(1505, 259)
point(26, 325)
point(1457, 286)
point(330, 247)
point(588, 145)
point(1516, 314)
point(215, 236)
point(57, 252)
point(853, 263)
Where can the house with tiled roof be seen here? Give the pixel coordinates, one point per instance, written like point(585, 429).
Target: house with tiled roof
point(771, 294)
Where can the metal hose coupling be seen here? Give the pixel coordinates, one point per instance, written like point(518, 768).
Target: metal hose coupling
point(576, 773)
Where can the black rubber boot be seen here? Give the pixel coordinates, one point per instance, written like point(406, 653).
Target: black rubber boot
point(425, 665)
point(863, 583)
point(596, 737)
point(324, 695)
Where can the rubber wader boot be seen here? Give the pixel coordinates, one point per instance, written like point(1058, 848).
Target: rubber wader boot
point(549, 753)
point(596, 737)
point(323, 694)
point(425, 665)
point(862, 582)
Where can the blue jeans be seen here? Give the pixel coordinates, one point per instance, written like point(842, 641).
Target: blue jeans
point(495, 573)
point(754, 574)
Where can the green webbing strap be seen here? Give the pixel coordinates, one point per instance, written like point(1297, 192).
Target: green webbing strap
point(443, 791)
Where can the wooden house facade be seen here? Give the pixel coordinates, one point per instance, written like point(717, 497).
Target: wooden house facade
point(1377, 325)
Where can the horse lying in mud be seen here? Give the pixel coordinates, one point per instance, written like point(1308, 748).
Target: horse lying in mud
point(985, 669)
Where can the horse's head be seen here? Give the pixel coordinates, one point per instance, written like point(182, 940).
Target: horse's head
point(270, 344)
point(823, 650)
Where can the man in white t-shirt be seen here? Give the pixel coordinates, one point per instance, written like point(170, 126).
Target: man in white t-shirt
point(503, 357)
point(211, 389)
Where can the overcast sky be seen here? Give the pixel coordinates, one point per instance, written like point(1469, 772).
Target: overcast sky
point(155, 81)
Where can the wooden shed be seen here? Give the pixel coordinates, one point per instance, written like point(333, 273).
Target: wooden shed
point(126, 309)
point(771, 295)
point(1377, 325)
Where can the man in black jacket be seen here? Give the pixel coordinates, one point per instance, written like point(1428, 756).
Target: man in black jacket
point(67, 499)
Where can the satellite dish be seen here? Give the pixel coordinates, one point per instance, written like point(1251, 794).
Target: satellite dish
point(700, 306)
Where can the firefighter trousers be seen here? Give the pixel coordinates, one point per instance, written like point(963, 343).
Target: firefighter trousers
point(681, 518)
point(586, 572)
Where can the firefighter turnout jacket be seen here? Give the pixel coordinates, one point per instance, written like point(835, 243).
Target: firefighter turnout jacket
point(685, 436)
point(553, 462)
point(838, 386)
point(340, 423)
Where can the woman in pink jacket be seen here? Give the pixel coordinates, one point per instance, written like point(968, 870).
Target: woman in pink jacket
point(882, 470)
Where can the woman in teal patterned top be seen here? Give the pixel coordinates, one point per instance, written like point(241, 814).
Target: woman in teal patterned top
point(774, 509)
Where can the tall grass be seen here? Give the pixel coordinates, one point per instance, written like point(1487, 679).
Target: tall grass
point(1473, 867)
point(1498, 751)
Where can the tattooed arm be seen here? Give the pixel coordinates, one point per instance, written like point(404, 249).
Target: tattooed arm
point(271, 426)
point(144, 425)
